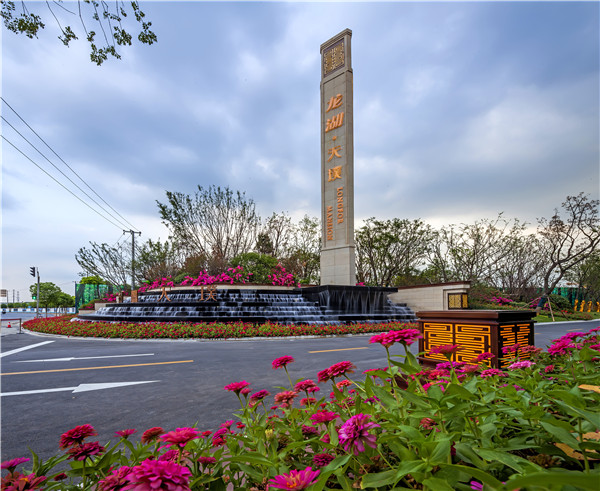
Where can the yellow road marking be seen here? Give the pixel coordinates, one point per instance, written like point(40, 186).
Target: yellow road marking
point(341, 349)
point(98, 368)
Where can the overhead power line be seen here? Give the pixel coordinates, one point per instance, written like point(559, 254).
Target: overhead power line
point(68, 166)
point(52, 164)
point(57, 181)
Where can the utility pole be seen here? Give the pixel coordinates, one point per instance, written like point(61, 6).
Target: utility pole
point(132, 255)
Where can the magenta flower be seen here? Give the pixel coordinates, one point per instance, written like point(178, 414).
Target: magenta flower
point(354, 434)
point(490, 372)
point(207, 460)
point(285, 398)
point(259, 396)
point(115, 480)
point(125, 433)
point(13, 463)
point(323, 417)
point(306, 386)
point(403, 336)
point(15, 481)
point(341, 368)
point(295, 480)
point(236, 387)
point(180, 437)
point(323, 375)
point(282, 361)
point(483, 356)
point(445, 349)
point(76, 435)
point(322, 459)
point(151, 475)
point(152, 434)
point(85, 450)
point(520, 364)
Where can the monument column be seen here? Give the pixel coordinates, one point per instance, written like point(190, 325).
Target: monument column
point(337, 163)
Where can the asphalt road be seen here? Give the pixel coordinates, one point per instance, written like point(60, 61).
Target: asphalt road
point(46, 382)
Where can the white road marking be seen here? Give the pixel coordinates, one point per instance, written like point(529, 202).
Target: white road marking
point(79, 388)
point(85, 358)
point(18, 350)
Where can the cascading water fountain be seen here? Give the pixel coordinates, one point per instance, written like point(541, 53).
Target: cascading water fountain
point(308, 305)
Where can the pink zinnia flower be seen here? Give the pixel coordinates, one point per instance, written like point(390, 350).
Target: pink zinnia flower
point(285, 398)
point(15, 481)
point(259, 396)
point(236, 387)
point(427, 423)
point(445, 349)
point(343, 383)
point(151, 475)
point(151, 434)
point(125, 433)
point(520, 364)
point(115, 480)
point(323, 375)
point(560, 347)
point(11, 464)
point(323, 417)
point(341, 368)
point(490, 372)
point(510, 349)
point(180, 437)
point(549, 368)
point(170, 455)
point(483, 356)
point(295, 480)
point(207, 460)
point(306, 386)
point(404, 336)
point(446, 365)
point(306, 401)
point(322, 459)
point(354, 433)
point(282, 361)
point(76, 435)
point(309, 430)
point(85, 450)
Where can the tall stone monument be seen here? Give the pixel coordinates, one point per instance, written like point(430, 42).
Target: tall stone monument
point(337, 162)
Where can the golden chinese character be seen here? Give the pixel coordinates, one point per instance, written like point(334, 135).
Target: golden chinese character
point(335, 122)
point(334, 102)
point(334, 152)
point(333, 58)
point(335, 173)
point(211, 292)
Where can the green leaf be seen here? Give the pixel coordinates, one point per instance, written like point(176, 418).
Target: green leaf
point(514, 462)
point(379, 479)
point(437, 484)
point(550, 478)
point(250, 458)
point(441, 452)
point(560, 434)
point(474, 472)
point(593, 418)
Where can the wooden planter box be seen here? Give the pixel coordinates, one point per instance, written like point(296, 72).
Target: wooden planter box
point(477, 331)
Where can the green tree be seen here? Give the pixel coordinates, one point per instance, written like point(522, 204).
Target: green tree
point(390, 249)
point(113, 263)
point(49, 294)
point(569, 240)
point(216, 223)
point(109, 18)
point(155, 259)
point(302, 257)
point(92, 280)
point(260, 265)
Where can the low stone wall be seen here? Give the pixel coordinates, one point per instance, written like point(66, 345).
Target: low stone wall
point(429, 297)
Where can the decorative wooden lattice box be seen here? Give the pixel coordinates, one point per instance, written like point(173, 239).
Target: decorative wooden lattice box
point(476, 331)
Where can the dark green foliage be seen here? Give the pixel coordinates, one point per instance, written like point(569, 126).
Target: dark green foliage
point(259, 265)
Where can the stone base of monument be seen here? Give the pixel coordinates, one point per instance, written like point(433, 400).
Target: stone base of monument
point(476, 331)
point(309, 305)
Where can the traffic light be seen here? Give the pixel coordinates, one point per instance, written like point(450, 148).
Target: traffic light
point(34, 297)
point(32, 271)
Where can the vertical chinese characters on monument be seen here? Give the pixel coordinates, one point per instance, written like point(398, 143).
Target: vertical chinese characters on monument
point(337, 162)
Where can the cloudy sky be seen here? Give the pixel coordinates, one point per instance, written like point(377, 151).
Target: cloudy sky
point(461, 110)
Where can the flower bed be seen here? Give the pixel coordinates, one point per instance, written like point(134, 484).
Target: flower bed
point(215, 330)
point(456, 426)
